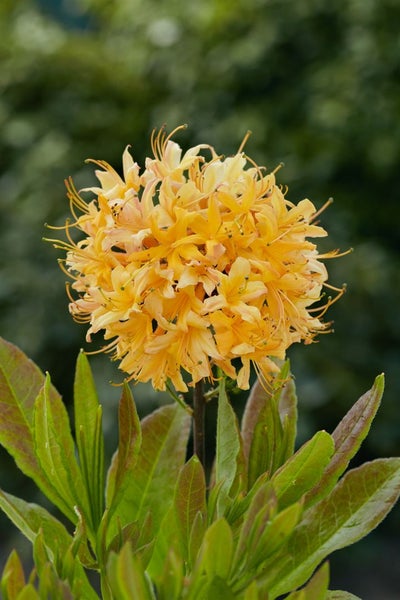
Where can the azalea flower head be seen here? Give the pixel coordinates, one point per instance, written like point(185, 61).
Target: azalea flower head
point(195, 262)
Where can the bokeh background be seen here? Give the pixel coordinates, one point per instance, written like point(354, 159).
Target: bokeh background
point(317, 82)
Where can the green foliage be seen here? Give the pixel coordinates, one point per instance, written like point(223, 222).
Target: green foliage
point(13, 578)
point(89, 437)
point(17, 404)
point(351, 510)
point(152, 531)
point(316, 588)
point(269, 429)
point(54, 449)
point(304, 469)
point(190, 508)
point(278, 417)
point(162, 453)
point(340, 595)
point(348, 437)
point(127, 578)
point(228, 452)
point(60, 578)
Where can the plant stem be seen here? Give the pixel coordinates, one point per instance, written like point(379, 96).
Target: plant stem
point(199, 409)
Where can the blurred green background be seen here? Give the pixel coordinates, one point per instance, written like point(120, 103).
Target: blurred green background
point(318, 83)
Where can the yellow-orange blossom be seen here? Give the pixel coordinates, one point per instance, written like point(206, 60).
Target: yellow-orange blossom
point(195, 262)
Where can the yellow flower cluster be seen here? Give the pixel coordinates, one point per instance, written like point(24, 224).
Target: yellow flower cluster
point(199, 261)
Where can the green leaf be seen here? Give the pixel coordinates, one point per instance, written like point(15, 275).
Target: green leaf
point(251, 593)
point(269, 425)
point(13, 578)
point(212, 501)
point(241, 503)
point(196, 536)
point(46, 581)
point(169, 587)
point(56, 453)
point(340, 595)
point(255, 402)
point(265, 539)
point(348, 437)
point(127, 577)
point(31, 518)
point(28, 593)
point(229, 459)
point(275, 534)
point(262, 509)
point(53, 568)
point(287, 406)
point(166, 540)
point(52, 586)
point(89, 436)
point(198, 587)
point(217, 589)
point(356, 505)
point(258, 397)
point(129, 533)
point(216, 552)
point(304, 469)
point(20, 383)
point(73, 572)
point(151, 484)
point(40, 553)
point(124, 460)
point(316, 588)
point(81, 546)
point(190, 500)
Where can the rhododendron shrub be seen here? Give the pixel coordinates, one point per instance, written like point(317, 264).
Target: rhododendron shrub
point(195, 269)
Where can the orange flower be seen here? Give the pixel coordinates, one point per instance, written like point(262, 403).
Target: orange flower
point(195, 262)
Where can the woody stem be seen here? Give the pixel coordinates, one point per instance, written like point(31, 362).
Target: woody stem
point(199, 409)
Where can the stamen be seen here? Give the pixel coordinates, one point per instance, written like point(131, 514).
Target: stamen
point(171, 135)
point(101, 163)
point(64, 269)
point(244, 141)
point(321, 210)
point(74, 198)
point(279, 167)
point(336, 289)
point(265, 382)
point(330, 301)
point(155, 141)
point(108, 348)
point(60, 244)
point(336, 253)
point(56, 227)
point(279, 237)
point(81, 319)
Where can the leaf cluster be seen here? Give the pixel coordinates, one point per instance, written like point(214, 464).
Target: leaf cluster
point(152, 527)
